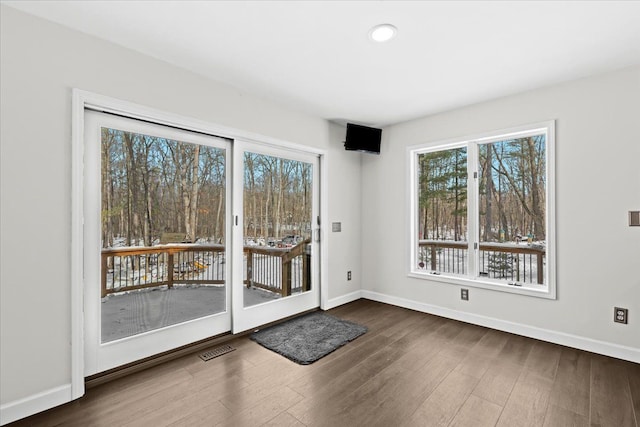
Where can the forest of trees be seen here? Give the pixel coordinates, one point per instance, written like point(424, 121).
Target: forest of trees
point(442, 177)
point(512, 191)
point(152, 185)
point(277, 197)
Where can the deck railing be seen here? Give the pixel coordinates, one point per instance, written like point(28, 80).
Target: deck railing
point(281, 270)
point(520, 263)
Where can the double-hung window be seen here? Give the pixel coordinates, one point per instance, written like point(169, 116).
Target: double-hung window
point(482, 210)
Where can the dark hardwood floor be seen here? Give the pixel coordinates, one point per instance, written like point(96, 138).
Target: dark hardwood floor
point(410, 369)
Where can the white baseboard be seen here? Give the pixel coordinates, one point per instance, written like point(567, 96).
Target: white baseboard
point(343, 299)
point(22, 408)
point(601, 347)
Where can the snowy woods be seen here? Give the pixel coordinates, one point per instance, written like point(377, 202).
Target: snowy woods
point(511, 191)
point(277, 197)
point(153, 185)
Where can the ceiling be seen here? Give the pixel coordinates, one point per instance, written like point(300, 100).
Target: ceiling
point(316, 56)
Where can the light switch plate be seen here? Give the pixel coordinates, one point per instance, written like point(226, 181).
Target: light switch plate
point(336, 227)
point(634, 218)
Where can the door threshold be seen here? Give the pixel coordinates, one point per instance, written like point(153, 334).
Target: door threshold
point(146, 363)
point(149, 362)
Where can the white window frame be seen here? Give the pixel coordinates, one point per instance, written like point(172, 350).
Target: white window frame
point(471, 142)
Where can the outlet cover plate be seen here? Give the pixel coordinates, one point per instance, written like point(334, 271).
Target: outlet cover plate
point(464, 294)
point(620, 315)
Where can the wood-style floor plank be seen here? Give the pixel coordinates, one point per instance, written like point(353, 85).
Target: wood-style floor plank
point(634, 385)
point(410, 368)
point(527, 404)
point(611, 402)
point(558, 416)
point(285, 419)
point(571, 389)
point(477, 412)
point(497, 383)
point(446, 400)
point(543, 359)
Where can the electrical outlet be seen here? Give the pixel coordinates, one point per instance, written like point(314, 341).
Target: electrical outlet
point(620, 315)
point(348, 275)
point(464, 294)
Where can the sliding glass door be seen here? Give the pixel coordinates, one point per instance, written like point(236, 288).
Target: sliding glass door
point(155, 241)
point(276, 228)
point(177, 248)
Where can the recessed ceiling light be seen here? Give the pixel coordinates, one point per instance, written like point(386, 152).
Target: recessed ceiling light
point(383, 32)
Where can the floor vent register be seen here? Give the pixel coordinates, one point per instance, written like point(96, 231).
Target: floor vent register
point(218, 351)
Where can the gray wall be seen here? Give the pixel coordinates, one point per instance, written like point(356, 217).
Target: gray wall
point(41, 62)
point(597, 183)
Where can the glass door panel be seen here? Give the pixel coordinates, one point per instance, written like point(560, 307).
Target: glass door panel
point(277, 202)
point(278, 222)
point(155, 212)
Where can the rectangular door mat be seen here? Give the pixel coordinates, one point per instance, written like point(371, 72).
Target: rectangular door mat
point(308, 338)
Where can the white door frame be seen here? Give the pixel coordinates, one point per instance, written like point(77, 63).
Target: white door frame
point(83, 99)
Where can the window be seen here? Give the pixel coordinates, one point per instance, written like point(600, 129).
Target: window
point(482, 211)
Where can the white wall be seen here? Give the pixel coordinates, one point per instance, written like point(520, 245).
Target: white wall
point(345, 202)
point(41, 62)
point(598, 182)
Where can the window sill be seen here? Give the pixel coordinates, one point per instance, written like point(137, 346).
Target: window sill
point(538, 291)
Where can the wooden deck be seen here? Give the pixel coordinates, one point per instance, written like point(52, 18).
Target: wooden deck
point(136, 312)
point(410, 369)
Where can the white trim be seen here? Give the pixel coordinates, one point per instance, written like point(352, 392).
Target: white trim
point(107, 104)
point(411, 194)
point(550, 208)
point(483, 137)
point(77, 245)
point(341, 300)
point(30, 405)
point(475, 282)
point(237, 227)
point(601, 347)
point(473, 210)
point(324, 231)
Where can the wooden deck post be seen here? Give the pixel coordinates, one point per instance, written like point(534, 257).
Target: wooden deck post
point(286, 278)
point(540, 272)
point(306, 271)
point(433, 258)
point(103, 280)
point(249, 281)
point(170, 269)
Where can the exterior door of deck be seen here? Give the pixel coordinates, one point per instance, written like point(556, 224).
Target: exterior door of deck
point(170, 257)
point(276, 233)
point(156, 239)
